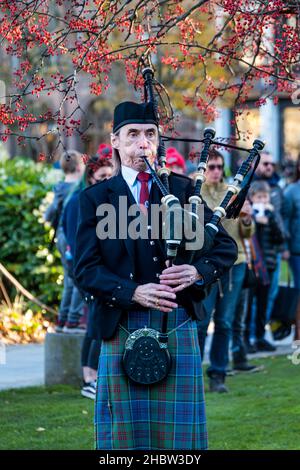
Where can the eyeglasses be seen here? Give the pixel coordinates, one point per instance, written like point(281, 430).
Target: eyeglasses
point(213, 167)
point(268, 163)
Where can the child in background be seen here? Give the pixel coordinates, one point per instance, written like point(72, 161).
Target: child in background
point(97, 169)
point(71, 306)
point(268, 235)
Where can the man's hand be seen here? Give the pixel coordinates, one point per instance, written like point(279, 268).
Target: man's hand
point(157, 296)
point(180, 276)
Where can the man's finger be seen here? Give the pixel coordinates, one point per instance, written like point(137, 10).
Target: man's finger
point(166, 303)
point(165, 294)
point(160, 287)
point(171, 282)
point(175, 268)
point(165, 309)
point(180, 287)
point(178, 274)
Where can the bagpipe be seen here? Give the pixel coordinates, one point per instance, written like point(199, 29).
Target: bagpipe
point(146, 358)
point(229, 207)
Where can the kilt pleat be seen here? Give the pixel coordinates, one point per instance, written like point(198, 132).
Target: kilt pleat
point(167, 415)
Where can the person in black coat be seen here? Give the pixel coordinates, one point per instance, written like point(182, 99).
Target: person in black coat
point(268, 236)
point(132, 286)
point(97, 169)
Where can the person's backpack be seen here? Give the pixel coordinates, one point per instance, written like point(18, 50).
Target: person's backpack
point(54, 218)
point(57, 214)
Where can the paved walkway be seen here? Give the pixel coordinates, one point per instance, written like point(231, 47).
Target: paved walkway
point(23, 365)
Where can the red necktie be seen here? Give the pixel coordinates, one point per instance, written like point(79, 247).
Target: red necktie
point(144, 177)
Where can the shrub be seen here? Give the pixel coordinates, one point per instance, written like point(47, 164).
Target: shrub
point(18, 324)
point(24, 236)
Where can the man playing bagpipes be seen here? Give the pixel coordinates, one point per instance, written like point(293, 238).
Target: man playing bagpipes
point(150, 382)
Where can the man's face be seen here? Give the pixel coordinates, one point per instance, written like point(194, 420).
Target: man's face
point(134, 141)
point(266, 166)
point(214, 170)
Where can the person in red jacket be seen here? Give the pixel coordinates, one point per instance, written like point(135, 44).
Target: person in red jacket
point(175, 161)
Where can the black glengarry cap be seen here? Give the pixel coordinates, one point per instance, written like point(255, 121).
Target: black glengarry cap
point(129, 112)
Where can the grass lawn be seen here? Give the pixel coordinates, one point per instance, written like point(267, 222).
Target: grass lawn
point(262, 411)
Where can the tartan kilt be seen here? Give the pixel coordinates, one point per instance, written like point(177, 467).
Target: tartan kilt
point(167, 415)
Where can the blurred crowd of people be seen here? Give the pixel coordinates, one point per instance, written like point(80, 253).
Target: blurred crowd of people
point(243, 301)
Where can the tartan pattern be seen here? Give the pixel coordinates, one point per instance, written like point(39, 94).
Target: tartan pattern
point(167, 415)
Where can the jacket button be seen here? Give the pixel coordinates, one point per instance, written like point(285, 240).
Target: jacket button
point(131, 276)
point(155, 258)
point(113, 298)
point(151, 242)
point(119, 287)
point(110, 305)
point(92, 297)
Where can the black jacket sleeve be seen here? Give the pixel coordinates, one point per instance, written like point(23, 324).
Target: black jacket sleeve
point(90, 273)
point(276, 229)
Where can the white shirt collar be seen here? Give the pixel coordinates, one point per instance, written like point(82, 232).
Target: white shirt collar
point(129, 174)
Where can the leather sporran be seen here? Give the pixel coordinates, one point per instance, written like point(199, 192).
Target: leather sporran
point(146, 359)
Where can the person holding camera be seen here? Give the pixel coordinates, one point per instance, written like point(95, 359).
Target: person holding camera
point(269, 235)
point(266, 172)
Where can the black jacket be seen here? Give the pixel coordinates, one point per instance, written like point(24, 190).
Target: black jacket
point(277, 200)
point(105, 268)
